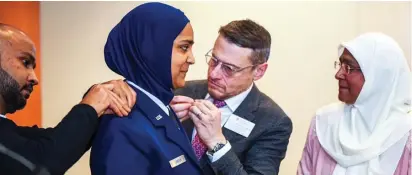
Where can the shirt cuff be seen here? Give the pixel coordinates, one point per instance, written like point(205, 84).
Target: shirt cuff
point(217, 155)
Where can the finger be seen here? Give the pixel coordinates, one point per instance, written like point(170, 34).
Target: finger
point(195, 110)
point(182, 114)
point(117, 102)
point(196, 121)
point(129, 95)
point(209, 105)
point(182, 99)
point(124, 108)
point(120, 92)
point(121, 100)
point(108, 111)
point(114, 107)
point(194, 118)
point(180, 107)
point(108, 86)
point(184, 118)
point(127, 92)
point(133, 97)
point(202, 107)
point(203, 117)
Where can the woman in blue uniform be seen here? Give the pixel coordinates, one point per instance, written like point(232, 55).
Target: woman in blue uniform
point(152, 48)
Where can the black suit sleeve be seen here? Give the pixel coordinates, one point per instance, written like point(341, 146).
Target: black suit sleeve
point(34, 132)
point(263, 157)
point(58, 148)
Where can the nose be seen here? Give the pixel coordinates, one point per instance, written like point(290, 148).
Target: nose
point(215, 72)
point(340, 75)
point(191, 58)
point(33, 78)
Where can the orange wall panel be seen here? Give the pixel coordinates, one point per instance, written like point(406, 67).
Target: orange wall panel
point(26, 16)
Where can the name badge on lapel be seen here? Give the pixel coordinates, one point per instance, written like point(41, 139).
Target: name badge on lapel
point(239, 125)
point(177, 161)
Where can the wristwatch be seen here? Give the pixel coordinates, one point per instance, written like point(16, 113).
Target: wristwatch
point(216, 148)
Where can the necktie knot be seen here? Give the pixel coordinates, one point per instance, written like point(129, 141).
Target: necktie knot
point(219, 103)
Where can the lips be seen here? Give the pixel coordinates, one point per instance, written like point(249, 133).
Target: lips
point(343, 89)
point(343, 85)
point(184, 68)
point(214, 84)
point(28, 89)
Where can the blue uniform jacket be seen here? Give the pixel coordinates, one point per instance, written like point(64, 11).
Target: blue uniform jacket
point(148, 141)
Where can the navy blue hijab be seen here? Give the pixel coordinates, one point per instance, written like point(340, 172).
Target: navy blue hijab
point(139, 47)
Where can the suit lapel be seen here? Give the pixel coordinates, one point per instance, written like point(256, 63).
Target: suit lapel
point(189, 149)
point(160, 119)
point(245, 110)
point(249, 105)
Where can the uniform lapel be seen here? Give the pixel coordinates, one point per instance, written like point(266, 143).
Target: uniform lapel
point(161, 120)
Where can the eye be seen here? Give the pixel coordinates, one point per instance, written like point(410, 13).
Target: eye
point(348, 67)
point(227, 68)
point(184, 48)
point(27, 63)
point(213, 61)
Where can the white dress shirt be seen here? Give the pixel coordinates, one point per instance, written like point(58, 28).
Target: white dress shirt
point(231, 105)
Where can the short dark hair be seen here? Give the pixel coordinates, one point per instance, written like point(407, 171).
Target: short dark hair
point(249, 34)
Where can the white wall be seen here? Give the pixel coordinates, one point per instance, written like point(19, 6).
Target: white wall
point(300, 77)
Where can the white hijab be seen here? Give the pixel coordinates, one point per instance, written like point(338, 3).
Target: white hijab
point(368, 137)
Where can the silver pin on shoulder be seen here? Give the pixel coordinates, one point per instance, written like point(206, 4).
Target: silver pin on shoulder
point(158, 117)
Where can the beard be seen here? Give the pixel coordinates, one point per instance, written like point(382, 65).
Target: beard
point(10, 91)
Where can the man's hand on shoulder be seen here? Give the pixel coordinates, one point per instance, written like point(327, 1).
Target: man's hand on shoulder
point(112, 97)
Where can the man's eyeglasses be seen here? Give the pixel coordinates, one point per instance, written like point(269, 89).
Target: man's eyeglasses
point(346, 68)
point(227, 69)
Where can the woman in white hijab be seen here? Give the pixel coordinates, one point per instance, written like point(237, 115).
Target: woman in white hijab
point(369, 133)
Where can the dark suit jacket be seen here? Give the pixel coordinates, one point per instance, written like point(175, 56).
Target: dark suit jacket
point(57, 148)
point(142, 143)
point(263, 150)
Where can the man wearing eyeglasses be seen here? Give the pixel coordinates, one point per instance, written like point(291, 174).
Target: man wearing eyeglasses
point(234, 128)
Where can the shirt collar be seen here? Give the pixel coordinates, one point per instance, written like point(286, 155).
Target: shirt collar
point(155, 99)
point(234, 102)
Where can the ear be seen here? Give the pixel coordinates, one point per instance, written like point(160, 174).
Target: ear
point(260, 71)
